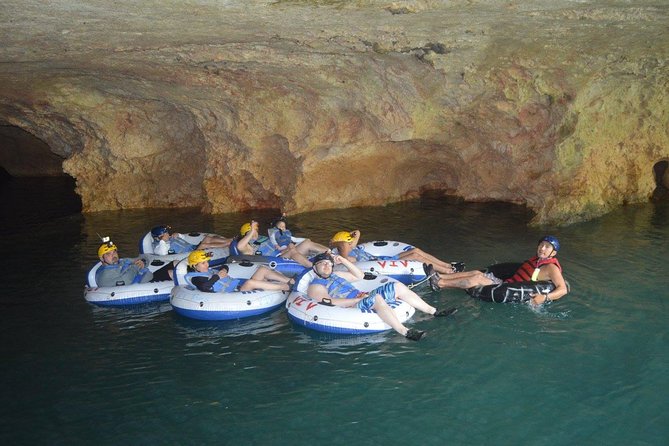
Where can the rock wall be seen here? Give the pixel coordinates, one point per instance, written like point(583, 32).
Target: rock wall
point(304, 105)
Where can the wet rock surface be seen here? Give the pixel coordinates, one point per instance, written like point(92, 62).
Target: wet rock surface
point(304, 105)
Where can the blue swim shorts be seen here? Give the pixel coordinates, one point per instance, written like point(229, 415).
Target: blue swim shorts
point(386, 291)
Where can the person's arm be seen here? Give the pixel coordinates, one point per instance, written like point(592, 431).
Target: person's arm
point(345, 251)
point(555, 276)
point(272, 238)
point(243, 243)
point(356, 237)
point(320, 293)
point(140, 272)
point(354, 273)
point(203, 284)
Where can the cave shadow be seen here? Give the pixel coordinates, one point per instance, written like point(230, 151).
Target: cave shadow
point(661, 192)
point(27, 201)
point(33, 187)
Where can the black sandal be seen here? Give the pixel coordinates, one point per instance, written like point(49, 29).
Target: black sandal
point(432, 276)
point(414, 335)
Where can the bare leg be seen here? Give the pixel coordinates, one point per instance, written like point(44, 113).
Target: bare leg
point(413, 299)
point(254, 284)
point(292, 253)
point(307, 247)
point(388, 316)
point(464, 280)
point(214, 241)
point(263, 273)
point(419, 255)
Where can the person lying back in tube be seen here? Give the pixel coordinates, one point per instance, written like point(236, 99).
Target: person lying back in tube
point(212, 281)
point(542, 267)
point(329, 288)
point(116, 271)
point(345, 244)
point(166, 241)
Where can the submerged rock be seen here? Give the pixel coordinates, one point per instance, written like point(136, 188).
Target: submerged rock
point(305, 105)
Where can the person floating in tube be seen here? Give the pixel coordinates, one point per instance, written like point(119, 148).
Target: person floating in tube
point(542, 267)
point(335, 289)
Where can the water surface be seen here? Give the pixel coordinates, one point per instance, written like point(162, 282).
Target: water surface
point(589, 369)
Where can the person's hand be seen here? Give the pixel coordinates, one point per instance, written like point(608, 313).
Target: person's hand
point(538, 299)
point(139, 263)
point(355, 233)
point(360, 297)
point(337, 259)
point(174, 235)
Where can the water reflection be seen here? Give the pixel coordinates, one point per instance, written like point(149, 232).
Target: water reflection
point(129, 317)
point(205, 331)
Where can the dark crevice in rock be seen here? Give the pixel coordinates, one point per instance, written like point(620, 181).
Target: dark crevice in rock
point(661, 174)
point(22, 154)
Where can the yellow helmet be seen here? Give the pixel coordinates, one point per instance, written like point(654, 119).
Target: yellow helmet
point(106, 247)
point(246, 227)
point(342, 236)
point(198, 256)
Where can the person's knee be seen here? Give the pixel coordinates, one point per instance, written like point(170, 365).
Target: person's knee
point(400, 288)
point(260, 273)
point(379, 301)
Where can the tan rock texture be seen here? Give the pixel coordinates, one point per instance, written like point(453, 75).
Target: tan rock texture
point(304, 105)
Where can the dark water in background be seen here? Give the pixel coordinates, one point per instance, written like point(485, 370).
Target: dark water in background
point(589, 369)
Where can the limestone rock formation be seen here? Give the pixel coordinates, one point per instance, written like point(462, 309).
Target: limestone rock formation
point(306, 104)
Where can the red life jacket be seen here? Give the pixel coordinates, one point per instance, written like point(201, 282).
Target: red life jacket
point(524, 273)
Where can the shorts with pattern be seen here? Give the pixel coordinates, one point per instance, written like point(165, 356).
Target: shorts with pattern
point(386, 291)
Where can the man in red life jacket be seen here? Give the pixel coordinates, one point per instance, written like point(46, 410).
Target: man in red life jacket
point(542, 267)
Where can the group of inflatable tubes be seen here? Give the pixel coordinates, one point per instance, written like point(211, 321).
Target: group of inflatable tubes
point(190, 302)
point(131, 294)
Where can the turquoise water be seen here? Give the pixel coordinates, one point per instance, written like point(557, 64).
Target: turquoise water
point(589, 369)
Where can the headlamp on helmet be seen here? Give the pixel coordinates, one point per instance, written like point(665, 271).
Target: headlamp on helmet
point(106, 246)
